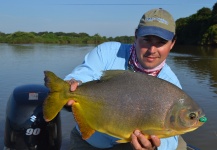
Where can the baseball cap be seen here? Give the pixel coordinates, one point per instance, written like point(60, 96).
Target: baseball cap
point(157, 22)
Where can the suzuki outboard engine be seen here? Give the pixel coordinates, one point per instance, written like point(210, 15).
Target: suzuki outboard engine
point(25, 128)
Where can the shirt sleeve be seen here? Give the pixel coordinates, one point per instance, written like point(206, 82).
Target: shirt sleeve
point(94, 63)
point(170, 143)
point(168, 75)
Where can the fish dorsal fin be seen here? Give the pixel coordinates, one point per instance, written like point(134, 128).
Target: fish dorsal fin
point(86, 130)
point(108, 74)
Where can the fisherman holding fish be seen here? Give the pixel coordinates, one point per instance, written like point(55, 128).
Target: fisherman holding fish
point(154, 38)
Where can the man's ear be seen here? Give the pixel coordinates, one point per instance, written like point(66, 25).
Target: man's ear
point(173, 43)
point(174, 38)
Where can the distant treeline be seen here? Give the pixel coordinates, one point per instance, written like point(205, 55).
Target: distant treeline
point(59, 38)
point(198, 29)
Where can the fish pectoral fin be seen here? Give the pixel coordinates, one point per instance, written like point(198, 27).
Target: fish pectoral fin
point(122, 141)
point(86, 130)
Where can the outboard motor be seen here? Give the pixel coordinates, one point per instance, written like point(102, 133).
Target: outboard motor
point(25, 127)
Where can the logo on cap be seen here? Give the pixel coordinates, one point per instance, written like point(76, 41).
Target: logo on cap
point(161, 20)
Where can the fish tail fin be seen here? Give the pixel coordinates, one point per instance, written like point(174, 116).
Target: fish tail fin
point(55, 100)
point(54, 83)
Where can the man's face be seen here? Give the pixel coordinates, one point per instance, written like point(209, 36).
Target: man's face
point(152, 50)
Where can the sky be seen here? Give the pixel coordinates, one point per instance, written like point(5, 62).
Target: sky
point(108, 18)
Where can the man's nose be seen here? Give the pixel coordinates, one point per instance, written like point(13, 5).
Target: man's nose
point(152, 48)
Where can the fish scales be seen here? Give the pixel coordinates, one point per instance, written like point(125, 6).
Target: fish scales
point(121, 98)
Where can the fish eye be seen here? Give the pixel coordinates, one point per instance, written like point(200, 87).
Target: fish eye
point(192, 116)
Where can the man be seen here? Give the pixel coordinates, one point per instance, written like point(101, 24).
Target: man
point(154, 38)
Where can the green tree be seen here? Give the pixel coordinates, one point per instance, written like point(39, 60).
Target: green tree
point(192, 29)
point(82, 34)
point(210, 37)
point(72, 34)
point(50, 37)
point(214, 14)
point(21, 37)
point(2, 37)
point(204, 14)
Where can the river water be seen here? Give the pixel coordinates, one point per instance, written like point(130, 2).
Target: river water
point(196, 68)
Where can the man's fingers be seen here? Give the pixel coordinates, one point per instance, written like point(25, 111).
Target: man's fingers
point(135, 142)
point(143, 140)
point(155, 140)
point(74, 86)
point(140, 142)
point(70, 102)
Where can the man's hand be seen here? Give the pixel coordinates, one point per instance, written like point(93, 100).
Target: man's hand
point(140, 142)
point(74, 84)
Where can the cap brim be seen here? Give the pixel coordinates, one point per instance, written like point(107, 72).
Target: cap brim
point(151, 30)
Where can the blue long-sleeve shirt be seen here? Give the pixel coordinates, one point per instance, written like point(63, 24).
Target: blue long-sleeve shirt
point(115, 56)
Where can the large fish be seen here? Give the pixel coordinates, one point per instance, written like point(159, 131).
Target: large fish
point(122, 101)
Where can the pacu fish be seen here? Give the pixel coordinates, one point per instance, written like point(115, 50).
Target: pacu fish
point(122, 101)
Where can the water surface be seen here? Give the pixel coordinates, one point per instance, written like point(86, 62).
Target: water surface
point(195, 67)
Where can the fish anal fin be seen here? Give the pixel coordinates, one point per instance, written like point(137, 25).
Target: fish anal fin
point(86, 130)
point(122, 141)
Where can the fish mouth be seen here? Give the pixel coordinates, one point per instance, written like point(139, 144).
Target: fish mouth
point(198, 123)
point(202, 119)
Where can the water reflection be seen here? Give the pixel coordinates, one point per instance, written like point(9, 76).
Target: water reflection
point(205, 51)
point(196, 69)
point(201, 60)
